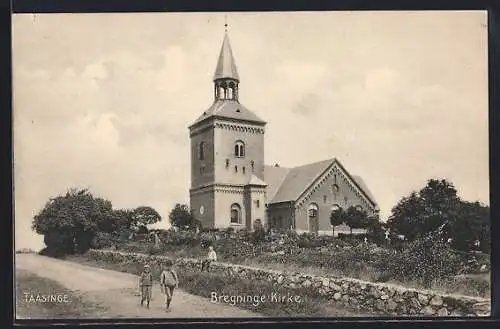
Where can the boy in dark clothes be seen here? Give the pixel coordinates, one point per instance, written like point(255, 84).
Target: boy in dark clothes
point(145, 284)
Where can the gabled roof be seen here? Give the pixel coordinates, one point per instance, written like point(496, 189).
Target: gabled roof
point(298, 180)
point(288, 184)
point(226, 66)
point(274, 177)
point(229, 109)
point(364, 187)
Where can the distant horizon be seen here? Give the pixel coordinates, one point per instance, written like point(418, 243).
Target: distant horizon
point(165, 224)
point(398, 97)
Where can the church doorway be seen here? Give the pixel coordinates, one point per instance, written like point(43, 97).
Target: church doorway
point(313, 214)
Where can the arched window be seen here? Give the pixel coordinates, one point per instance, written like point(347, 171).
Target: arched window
point(231, 91)
point(201, 151)
point(325, 198)
point(239, 149)
point(335, 188)
point(313, 210)
point(235, 214)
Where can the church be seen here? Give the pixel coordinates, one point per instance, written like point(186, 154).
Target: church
point(231, 186)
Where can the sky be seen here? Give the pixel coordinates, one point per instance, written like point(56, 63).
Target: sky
point(103, 101)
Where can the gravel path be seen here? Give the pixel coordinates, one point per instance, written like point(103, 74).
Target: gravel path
point(118, 291)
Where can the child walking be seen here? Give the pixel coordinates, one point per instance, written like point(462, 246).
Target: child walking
point(145, 284)
point(168, 281)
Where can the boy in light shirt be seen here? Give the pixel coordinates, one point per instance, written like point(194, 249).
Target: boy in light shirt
point(211, 257)
point(168, 281)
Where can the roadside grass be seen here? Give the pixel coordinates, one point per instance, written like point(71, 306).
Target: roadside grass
point(29, 283)
point(204, 284)
point(475, 285)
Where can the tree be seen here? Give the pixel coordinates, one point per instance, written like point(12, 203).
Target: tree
point(69, 222)
point(407, 216)
point(181, 218)
point(374, 228)
point(144, 216)
point(438, 207)
point(471, 224)
point(337, 217)
point(356, 218)
point(123, 221)
point(425, 211)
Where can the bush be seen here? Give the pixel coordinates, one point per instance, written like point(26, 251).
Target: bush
point(423, 260)
point(184, 238)
point(103, 240)
point(207, 239)
point(258, 235)
point(152, 250)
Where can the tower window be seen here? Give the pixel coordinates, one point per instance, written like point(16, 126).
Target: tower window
point(252, 164)
point(239, 149)
point(324, 198)
point(235, 214)
point(227, 163)
point(235, 168)
point(257, 203)
point(201, 151)
point(243, 169)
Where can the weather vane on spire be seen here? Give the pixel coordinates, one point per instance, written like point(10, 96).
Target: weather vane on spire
point(225, 22)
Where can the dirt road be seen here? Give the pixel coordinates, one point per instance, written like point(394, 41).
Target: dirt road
point(117, 291)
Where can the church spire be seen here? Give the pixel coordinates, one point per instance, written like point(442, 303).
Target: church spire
point(226, 66)
point(226, 78)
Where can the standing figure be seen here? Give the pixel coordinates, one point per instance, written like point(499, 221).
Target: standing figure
point(145, 284)
point(157, 240)
point(168, 281)
point(211, 257)
point(387, 239)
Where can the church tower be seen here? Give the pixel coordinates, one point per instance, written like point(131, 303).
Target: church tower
point(227, 155)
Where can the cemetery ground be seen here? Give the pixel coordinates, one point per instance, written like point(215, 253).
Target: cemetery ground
point(419, 266)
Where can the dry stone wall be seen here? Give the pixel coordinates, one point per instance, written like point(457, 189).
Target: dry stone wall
point(355, 294)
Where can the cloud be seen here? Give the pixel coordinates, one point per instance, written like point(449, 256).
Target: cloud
point(308, 105)
point(116, 127)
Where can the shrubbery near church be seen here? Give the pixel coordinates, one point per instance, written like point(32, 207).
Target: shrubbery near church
point(76, 221)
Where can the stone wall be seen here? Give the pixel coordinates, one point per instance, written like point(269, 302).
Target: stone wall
point(355, 294)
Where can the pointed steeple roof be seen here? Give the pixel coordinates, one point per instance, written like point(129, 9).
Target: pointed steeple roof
point(226, 67)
